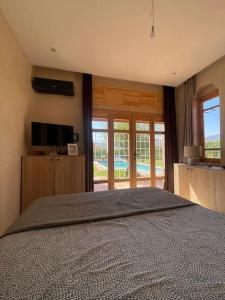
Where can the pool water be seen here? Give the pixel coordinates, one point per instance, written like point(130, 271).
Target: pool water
point(123, 165)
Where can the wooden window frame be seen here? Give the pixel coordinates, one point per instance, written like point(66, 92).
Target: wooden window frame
point(203, 99)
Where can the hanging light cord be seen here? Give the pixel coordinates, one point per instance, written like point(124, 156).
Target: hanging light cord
point(153, 19)
point(153, 13)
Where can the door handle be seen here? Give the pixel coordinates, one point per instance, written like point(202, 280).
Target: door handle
point(190, 169)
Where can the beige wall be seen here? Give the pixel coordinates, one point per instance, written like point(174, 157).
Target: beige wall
point(19, 105)
point(59, 109)
point(15, 99)
point(211, 78)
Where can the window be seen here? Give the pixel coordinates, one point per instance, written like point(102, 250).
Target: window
point(210, 127)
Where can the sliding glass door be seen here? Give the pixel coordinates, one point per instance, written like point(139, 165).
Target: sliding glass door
point(128, 152)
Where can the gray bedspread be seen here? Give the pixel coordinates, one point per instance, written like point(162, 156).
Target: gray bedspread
point(86, 207)
point(162, 252)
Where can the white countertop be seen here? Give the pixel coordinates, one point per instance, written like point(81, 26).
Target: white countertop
point(203, 166)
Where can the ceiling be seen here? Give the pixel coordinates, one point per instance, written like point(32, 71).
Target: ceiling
point(112, 38)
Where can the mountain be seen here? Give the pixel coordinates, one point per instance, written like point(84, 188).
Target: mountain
point(213, 138)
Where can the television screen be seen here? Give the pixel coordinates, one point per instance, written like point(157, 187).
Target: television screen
point(43, 134)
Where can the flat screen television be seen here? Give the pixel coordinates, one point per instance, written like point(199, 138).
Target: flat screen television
point(43, 134)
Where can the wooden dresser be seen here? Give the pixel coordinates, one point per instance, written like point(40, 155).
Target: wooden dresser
point(51, 175)
point(201, 184)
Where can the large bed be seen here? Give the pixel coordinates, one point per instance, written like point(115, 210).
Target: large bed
point(127, 244)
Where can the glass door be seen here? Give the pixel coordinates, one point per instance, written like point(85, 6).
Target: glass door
point(121, 154)
point(159, 154)
point(142, 154)
point(100, 135)
point(148, 153)
point(128, 152)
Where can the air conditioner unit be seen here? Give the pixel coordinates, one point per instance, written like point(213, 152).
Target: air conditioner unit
point(52, 86)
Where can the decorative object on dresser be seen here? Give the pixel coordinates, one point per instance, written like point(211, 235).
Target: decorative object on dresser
point(72, 149)
point(201, 184)
point(192, 154)
point(51, 175)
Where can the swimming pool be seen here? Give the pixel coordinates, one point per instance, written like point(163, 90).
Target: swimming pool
point(122, 165)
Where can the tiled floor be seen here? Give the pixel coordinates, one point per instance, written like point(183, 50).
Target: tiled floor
point(98, 187)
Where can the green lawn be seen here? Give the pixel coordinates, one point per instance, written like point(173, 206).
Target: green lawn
point(104, 173)
point(100, 173)
point(158, 163)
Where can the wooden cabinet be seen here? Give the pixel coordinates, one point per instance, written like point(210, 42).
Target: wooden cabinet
point(180, 186)
point(69, 175)
point(201, 185)
point(51, 175)
point(219, 200)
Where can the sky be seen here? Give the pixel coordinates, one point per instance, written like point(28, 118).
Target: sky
point(212, 118)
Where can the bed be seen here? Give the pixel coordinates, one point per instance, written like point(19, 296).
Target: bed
point(127, 244)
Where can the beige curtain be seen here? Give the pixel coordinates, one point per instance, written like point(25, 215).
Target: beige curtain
point(189, 94)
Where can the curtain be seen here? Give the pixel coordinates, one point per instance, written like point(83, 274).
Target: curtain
point(171, 156)
point(189, 93)
point(87, 119)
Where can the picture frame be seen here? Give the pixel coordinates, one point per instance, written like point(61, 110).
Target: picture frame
point(72, 149)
